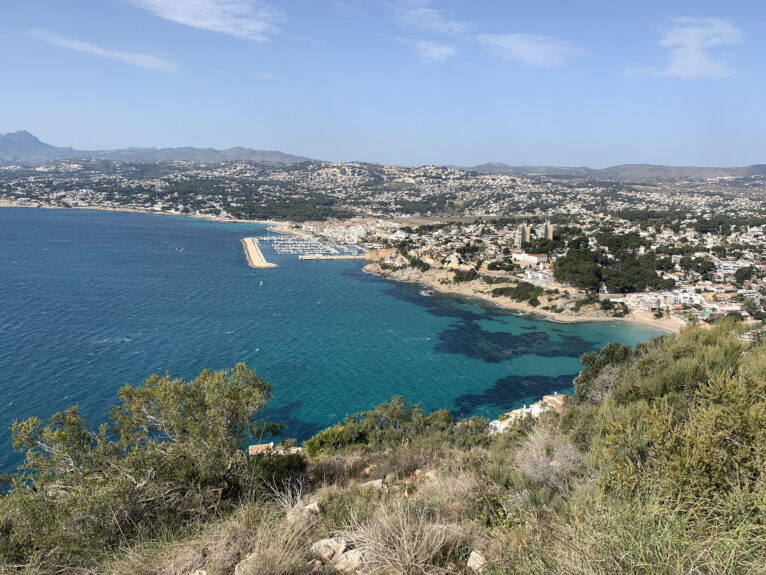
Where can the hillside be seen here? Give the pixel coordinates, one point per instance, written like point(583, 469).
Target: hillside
point(23, 148)
point(656, 465)
point(626, 171)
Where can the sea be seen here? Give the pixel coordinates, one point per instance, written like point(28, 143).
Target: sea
point(92, 300)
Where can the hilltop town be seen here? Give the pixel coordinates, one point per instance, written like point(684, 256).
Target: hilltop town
point(669, 251)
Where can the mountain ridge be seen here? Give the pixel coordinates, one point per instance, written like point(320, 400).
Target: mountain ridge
point(24, 148)
point(623, 171)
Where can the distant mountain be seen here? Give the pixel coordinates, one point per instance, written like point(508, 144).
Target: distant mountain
point(23, 148)
point(624, 171)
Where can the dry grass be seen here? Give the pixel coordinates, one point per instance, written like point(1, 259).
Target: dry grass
point(453, 493)
point(278, 549)
point(287, 493)
point(550, 458)
point(275, 545)
point(404, 539)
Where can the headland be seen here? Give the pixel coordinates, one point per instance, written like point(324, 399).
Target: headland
point(440, 280)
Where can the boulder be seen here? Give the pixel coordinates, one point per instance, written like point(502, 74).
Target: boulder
point(476, 561)
point(326, 550)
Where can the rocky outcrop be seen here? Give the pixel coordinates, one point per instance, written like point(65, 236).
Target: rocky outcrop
point(333, 552)
point(326, 550)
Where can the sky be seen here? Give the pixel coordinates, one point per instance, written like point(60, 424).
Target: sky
point(408, 82)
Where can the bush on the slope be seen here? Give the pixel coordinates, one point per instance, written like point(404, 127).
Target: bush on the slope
point(171, 454)
point(389, 424)
point(684, 418)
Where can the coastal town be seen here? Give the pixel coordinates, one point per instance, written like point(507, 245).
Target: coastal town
point(667, 252)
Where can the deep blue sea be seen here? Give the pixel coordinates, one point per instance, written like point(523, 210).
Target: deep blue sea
point(90, 300)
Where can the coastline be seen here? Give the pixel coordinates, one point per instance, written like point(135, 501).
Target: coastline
point(428, 279)
point(277, 226)
point(475, 290)
point(254, 255)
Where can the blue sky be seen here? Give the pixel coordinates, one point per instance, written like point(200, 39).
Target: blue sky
point(408, 82)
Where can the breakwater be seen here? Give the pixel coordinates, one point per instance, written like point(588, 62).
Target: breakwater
point(254, 255)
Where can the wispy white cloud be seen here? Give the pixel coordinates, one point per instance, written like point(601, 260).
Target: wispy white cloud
point(143, 60)
point(248, 19)
point(691, 42)
point(419, 14)
point(429, 51)
point(531, 50)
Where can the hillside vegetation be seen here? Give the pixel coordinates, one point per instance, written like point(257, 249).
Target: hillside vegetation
point(657, 465)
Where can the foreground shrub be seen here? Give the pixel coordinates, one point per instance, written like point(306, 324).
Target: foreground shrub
point(171, 455)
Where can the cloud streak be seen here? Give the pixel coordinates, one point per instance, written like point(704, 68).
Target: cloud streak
point(247, 19)
point(134, 59)
point(419, 14)
point(691, 42)
point(429, 52)
point(531, 50)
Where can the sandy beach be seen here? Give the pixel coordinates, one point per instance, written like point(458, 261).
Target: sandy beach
point(433, 280)
point(254, 256)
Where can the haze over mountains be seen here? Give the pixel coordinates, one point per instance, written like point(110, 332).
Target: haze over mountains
point(625, 171)
point(23, 148)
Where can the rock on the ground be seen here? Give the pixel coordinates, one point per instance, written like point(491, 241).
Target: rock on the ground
point(476, 561)
point(328, 549)
point(350, 563)
point(297, 513)
point(375, 484)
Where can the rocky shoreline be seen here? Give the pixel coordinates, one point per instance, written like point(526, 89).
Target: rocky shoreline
point(440, 280)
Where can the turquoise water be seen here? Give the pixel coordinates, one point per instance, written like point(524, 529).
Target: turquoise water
point(92, 300)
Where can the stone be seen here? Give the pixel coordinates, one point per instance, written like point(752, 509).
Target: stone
point(374, 484)
point(326, 550)
point(350, 562)
point(244, 567)
point(476, 561)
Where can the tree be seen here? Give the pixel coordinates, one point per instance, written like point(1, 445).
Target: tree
point(170, 454)
point(743, 274)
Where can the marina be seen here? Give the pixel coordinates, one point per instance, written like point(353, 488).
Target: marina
point(310, 248)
